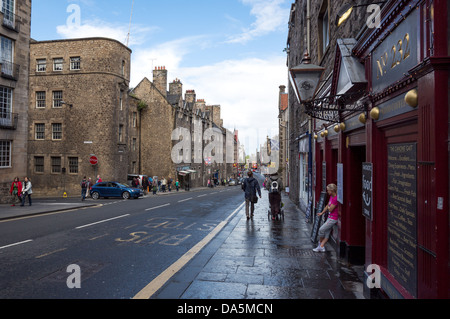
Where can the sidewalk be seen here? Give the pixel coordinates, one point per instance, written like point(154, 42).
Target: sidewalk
point(262, 259)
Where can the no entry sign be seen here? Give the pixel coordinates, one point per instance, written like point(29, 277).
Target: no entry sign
point(93, 160)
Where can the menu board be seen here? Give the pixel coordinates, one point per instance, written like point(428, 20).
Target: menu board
point(402, 214)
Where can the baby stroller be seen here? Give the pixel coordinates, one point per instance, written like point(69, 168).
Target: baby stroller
point(276, 211)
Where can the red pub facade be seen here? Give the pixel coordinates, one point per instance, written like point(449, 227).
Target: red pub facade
point(391, 160)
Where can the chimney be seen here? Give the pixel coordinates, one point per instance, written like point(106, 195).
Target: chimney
point(190, 96)
point(160, 79)
point(176, 88)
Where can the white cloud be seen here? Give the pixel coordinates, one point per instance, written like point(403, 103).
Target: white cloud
point(99, 28)
point(247, 91)
point(270, 16)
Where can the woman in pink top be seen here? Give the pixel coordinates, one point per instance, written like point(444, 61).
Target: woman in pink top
point(332, 208)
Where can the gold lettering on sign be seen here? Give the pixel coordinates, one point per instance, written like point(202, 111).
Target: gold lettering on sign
point(399, 53)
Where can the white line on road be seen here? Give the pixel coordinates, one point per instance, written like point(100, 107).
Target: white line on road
point(157, 207)
point(16, 244)
point(202, 195)
point(185, 200)
point(103, 221)
point(159, 281)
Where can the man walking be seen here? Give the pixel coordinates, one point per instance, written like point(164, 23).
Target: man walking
point(251, 187)
point(84, 187)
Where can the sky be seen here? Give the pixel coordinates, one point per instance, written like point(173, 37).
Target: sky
point(229, 51)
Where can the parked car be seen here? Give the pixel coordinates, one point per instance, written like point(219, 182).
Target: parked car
point(115, 189)
point(232, 182)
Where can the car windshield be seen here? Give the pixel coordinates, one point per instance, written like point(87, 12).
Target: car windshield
point(121, 185)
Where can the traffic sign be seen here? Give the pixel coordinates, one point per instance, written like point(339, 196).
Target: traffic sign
point(93, 160)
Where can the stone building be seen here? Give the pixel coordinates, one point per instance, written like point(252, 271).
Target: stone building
point(78, 108)
point(312, 28)
point(15, 20)
point(283, 125)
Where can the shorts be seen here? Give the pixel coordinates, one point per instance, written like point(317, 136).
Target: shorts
point(325, 230)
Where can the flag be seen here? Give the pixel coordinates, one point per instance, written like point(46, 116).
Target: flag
point(274, 145)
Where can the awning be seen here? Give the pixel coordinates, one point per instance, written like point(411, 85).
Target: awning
point(183, 173)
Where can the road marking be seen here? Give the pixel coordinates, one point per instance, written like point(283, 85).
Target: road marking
point(16, 244)
point(160, 281)
point(157, 207)
point(51, 253)
point(202, 195)
point(185, 200)
point(103, 221)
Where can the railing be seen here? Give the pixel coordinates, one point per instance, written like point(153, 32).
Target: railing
point(9, 70)
point(10, 20)
point(8, 120)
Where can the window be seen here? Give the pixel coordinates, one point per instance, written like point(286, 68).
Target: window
point(40, 131)
point(39, 164)
point(41, 65)
point(57, 131)
point(123, 68)
point(121, 100)
point(58, 64)
point(75, 63)
point(73, 165)
point(57, 99)
point(56, 165)
point(6, 56)
point(324, 28)
point(133, 145)
point(8, 12)
point(120, 133)
point(5, 154)
point(5, 106)
point(40, 100)
point(134, 124)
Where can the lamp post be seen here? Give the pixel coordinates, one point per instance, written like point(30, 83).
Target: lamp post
point(305, 79)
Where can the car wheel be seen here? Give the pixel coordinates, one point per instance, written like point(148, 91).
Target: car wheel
point(95, 195)
point(126, 195)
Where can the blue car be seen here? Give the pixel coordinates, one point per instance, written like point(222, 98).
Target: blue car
point(115, 189)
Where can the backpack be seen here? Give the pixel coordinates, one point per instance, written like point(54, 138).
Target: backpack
point(274, 187)
point(83, 184)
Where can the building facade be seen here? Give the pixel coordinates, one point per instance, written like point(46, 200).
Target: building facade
point(78, 108)
point(15, 19)
point(382, 136)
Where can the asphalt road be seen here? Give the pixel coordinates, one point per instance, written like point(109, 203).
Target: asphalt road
point(119, 247)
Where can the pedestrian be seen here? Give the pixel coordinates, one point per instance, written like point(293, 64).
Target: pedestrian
point(177, 185)
point(155, 186)
point(26, 191)
point(145, 184)
point(332, 209)
point(169, 184)
point(99, 180)
point(84, 187)
point(251, 187)
point(88, 191)
point(15, 191)
point(163, 184)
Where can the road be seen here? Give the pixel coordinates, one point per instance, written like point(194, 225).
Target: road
point(120, 246)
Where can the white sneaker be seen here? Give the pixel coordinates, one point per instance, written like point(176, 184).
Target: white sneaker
point(319, 249)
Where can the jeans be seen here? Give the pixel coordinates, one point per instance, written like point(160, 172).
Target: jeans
point(247, 204)
point(83, 193)
point(24, 198)
point(325, 230)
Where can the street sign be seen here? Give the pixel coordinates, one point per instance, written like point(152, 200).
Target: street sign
point(93, 160)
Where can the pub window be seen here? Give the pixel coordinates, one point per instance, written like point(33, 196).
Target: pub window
point(39, 164)
point(40, 131)
point(41, 65)
point(73, 165)
point(57, 131)
point(75, 63)
point(40, 100)
point(57, 99)
point(58, 64)
point(56, 165)
point(5, 154)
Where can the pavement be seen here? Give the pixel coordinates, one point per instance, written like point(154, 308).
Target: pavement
point(248, 259)
point(265, 259)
